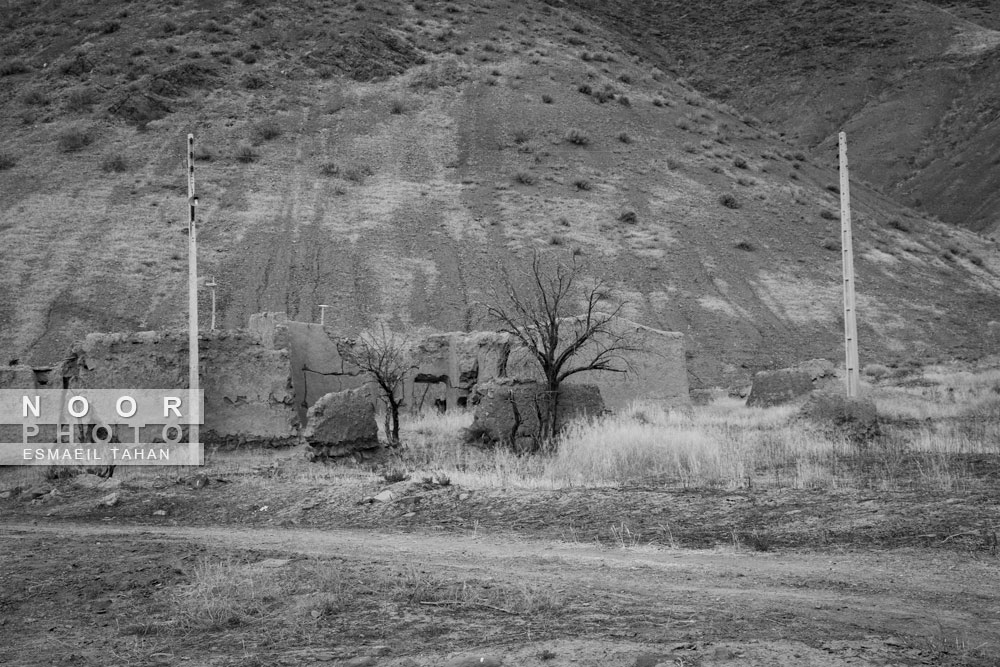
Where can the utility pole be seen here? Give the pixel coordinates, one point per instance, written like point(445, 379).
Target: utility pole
point(193, 385)
point(852, 375)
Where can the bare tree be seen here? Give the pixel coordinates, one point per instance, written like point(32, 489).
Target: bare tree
point(384, 355)
point(542, 311)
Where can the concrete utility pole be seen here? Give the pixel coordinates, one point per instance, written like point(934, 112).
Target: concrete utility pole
point(322, 313)
point(853, 378)
point(193, 384)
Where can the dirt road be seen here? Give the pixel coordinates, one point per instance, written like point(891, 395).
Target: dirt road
point(608, 606)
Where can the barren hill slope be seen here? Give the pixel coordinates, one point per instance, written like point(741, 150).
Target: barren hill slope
point(378, 157)
point(916, 84)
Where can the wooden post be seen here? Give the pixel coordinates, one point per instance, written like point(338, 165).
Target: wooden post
point(322, 313)
point(193, 384)
point(852, 375)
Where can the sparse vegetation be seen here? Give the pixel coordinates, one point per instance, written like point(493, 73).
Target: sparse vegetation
point(624, 137)
point(582, 184)
point(35, 97)
point(398, 106)
point(628, 216)
point(748, 246)
point(577, 137)
point(729, 201)
point(114, 163)
point(524, 178)
point(358, 172)
point(547, 99)
point(13, 67)
point(74, 139)
point(899, 224)
point(253, 82)
point(265, 130)
point(7, 161)
point(246, 154)
point(80, 99)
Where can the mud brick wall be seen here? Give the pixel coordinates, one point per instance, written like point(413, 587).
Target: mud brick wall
point(317, 365)
point(656, 372)
point(248, 395)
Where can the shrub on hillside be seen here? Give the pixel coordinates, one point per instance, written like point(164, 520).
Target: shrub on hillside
point(81, 99)
point(114, 163)
point(74, 139)
point(253, 82)
point(398, 106)
point(524, 178)
point(35, 98)
point(357, 173)
point(265, 131)
point(246, 155)
point(12, 67)
point(7, 161)
point(628, 217)
point(577, 137)
point(729, 201)
point(745, 245)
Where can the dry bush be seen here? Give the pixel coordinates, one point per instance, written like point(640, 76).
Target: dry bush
point(73, 140)
point(577, 137)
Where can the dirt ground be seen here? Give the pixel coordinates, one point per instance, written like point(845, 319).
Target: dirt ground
point(321, 576)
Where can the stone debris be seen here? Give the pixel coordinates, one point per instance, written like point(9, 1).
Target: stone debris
point(385, 496)
point(341, 424)
point(109, 500)
point(36, 492)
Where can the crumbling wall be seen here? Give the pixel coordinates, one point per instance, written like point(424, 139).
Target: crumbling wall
point(656, 367)
point(318, 365)
point(248, 397)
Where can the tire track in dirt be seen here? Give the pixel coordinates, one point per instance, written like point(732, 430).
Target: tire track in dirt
point(829, 594)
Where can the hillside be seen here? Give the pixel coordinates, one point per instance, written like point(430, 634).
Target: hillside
point(915, 84)
point(379, 157)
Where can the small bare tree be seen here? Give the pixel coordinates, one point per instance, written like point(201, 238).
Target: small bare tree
point(384, 355)
point(542, 311)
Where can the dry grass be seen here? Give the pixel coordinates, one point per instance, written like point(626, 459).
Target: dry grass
point(935, 425)
point(725, 444)
point(289, 598)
